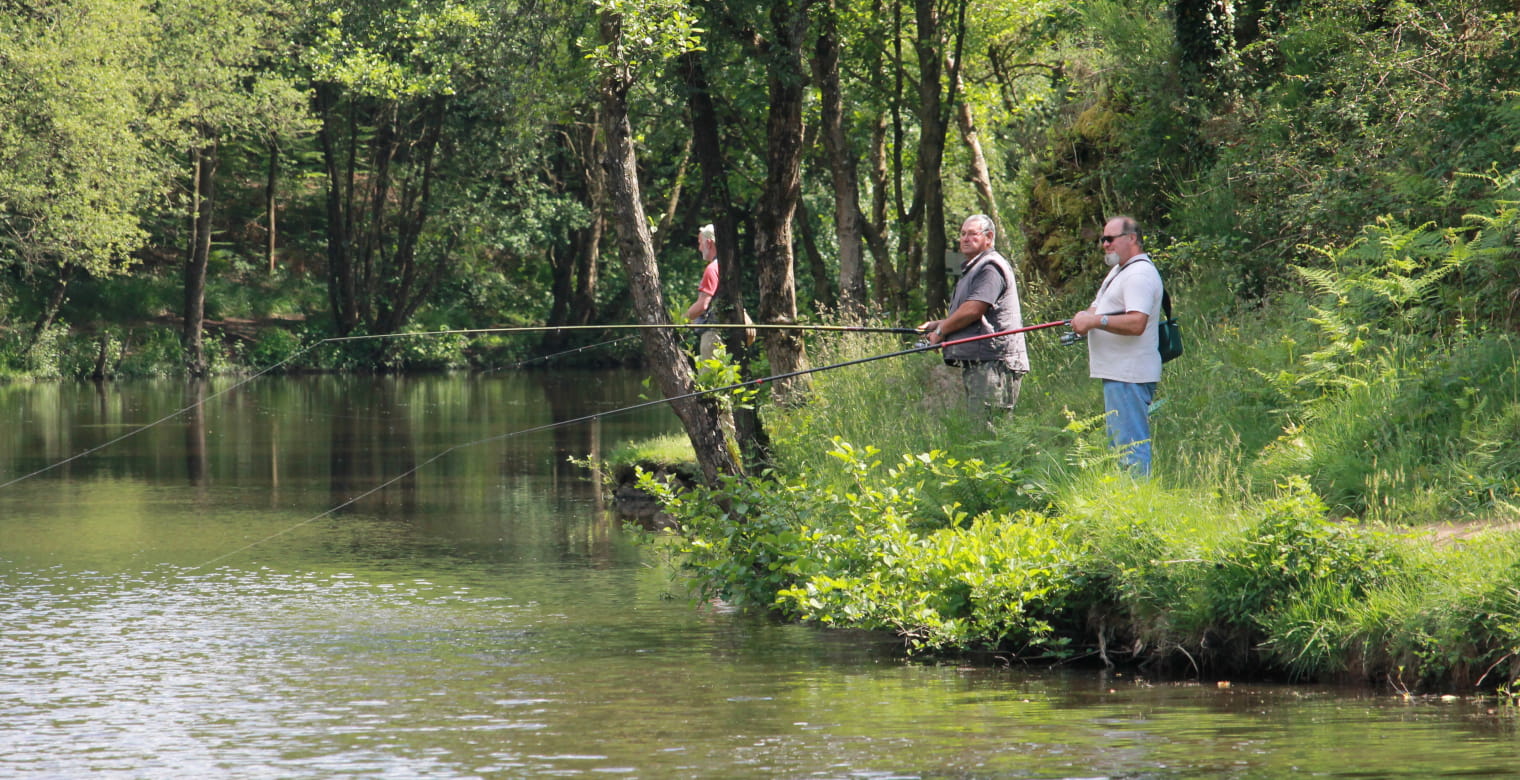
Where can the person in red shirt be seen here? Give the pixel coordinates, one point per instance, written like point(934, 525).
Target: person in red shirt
point(699, 310)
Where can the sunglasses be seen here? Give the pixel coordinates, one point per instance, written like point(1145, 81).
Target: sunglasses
point(1112, 239)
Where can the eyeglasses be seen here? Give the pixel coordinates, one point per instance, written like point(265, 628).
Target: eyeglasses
point(1112, 239)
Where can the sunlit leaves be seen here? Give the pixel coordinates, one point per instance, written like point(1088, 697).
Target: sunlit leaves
point(643, 32)
point(76, 163)
point(411, 49)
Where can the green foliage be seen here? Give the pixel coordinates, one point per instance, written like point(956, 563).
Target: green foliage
point(1449, 617)
point(435, 351)
point(274, 346)
point(407, 50)
point(672, 448)
point(155, 352)
point(643, 31)
point(1404, 407)
point(1291, 546)
point(879, 552)
point(1322, 141)
point(77, 167)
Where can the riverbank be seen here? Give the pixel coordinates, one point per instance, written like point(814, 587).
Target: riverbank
point(1297, 527)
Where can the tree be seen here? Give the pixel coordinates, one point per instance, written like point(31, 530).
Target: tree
point(215, 84)
point(787, 83)
point(77, 166)
point(844, 173)
point(633, 34)
point(708, 145)
point(386, 79)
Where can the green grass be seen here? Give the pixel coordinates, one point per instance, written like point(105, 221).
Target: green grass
point(1306, 452)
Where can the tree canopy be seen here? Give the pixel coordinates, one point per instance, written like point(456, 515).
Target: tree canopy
point(414, 164)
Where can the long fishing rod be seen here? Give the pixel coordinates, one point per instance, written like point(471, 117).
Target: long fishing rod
point(622, 410)
point(769, 379)
point(631, 326)
point(516, 329)
point(715, 325)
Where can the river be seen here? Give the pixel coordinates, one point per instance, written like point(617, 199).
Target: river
point(231, 593)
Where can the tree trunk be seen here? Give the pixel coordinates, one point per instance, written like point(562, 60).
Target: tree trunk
point(674, 201)
point(836, 141)
point(561, 259)
point(50, 311)
point(588, 240)
point(981, 178)
point(931, 154)
point(574, 266)
point(778, 196)
point(823, 290)
point(700, 415)
point(203, 162)
point(342, 290)
point(270, 211)
point(707, 143)
point(1205, 35)
point(890, 292)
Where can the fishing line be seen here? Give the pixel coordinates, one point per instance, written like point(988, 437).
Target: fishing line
point(552, 355)
point(750, 383)
point(161, 420)
point(517, 329)
point(717, 325)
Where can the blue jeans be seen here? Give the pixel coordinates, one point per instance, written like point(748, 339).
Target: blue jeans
point(1129, 425)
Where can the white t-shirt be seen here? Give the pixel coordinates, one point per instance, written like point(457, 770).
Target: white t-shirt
point(1133, 286)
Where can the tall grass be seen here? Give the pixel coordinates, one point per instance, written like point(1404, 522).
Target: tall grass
point(1311, 457)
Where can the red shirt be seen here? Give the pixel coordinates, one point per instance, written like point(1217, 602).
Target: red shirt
point(709, 283)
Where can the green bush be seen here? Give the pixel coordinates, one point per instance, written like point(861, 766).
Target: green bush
point(275, 346)
point(876, 551)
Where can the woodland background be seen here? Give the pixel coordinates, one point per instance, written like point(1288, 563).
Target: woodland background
point(170, 169)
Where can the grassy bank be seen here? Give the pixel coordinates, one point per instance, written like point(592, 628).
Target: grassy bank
point(1336, 472)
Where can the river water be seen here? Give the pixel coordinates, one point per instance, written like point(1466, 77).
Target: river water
point(231, 594)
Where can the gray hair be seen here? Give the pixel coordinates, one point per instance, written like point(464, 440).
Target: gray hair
point(987, 225)
point(1129, 225)
point(708, 232)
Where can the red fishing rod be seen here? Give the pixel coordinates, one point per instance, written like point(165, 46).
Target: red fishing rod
point(756, 383)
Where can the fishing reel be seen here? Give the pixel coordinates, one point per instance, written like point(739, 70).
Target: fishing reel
point(1071, 337)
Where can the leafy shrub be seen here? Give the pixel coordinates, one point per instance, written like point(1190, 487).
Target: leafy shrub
point(275, 346)
point(875, 552)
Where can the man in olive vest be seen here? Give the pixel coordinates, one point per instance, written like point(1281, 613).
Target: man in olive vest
point(985, 301)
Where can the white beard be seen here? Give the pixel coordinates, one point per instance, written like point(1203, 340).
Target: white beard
point(1112, 258)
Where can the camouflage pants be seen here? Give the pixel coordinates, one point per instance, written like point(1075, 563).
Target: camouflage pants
point(992, 388)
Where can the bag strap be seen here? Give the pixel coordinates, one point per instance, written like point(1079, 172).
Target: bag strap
point(1166, 295)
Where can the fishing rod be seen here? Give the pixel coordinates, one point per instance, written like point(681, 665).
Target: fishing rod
point(466, 331)
point(622, 410)
point(715, 325)
point(632, 326)
point(755, 383)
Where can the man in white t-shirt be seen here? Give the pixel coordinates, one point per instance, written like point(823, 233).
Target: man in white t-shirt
point(1120, 328)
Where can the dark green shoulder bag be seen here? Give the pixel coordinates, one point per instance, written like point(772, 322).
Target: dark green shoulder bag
point(1168, 332)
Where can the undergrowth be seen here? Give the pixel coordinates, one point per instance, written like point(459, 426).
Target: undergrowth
point(1311, 456)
